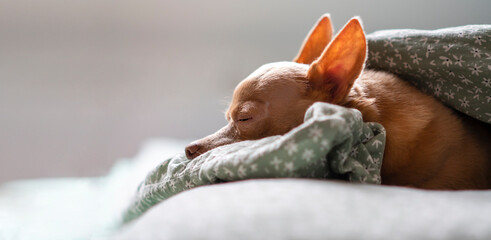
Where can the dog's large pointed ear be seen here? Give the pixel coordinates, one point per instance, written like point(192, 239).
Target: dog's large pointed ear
point(341, 63)
point(315, 42)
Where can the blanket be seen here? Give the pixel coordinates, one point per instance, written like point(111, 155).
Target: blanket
point(333, 142)
point(452, 64)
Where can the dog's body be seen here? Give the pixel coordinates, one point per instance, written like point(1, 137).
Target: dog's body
point(428, 145)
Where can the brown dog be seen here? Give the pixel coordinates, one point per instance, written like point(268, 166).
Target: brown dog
point(428, 145)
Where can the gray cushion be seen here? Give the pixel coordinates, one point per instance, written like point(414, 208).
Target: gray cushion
point(315, 209)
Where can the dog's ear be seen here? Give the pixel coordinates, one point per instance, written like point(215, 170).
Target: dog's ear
point(341, 63)
point(315, 42)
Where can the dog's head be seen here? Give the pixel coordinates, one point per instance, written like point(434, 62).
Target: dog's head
point(274, 98)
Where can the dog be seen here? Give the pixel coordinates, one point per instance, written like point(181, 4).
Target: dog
point(428, 145)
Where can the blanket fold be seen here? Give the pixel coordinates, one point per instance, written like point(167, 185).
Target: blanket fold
point(333, 143)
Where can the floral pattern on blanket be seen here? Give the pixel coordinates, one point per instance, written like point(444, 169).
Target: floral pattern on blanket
point(452, 64)
point(332, 143)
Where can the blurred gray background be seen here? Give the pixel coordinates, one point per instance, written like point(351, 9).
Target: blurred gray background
point(84, 83)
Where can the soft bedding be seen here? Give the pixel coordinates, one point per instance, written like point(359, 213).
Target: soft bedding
point(333, 142)
point(315, 209)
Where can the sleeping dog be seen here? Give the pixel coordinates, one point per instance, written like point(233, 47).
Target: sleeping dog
point(428, 144)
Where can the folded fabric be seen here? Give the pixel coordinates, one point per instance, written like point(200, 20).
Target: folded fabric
point(452, 64)
point(333, 142)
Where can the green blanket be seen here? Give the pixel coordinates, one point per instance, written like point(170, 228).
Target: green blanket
point(333, 142)
point(452, 64)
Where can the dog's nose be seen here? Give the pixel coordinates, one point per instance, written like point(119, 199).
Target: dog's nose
point(192, 150)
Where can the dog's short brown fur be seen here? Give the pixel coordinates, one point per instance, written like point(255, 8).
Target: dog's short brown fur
point(428, 145)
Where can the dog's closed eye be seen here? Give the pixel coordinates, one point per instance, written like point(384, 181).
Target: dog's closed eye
point(244, 119)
